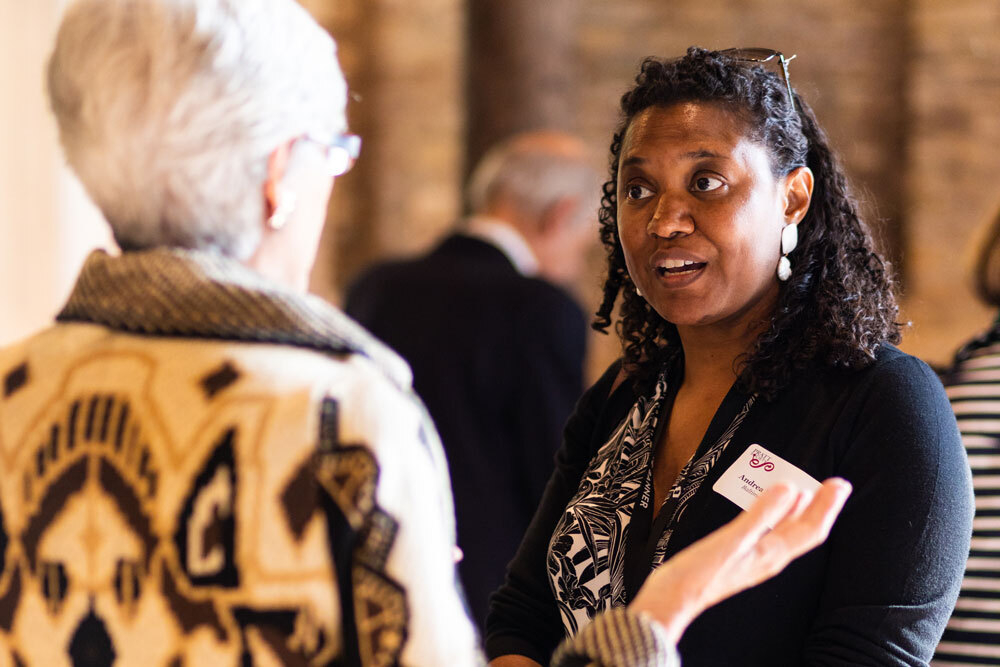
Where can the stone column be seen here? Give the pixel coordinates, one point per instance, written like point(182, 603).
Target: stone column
point(521, 66)
point(349, 231)
point(402, 61)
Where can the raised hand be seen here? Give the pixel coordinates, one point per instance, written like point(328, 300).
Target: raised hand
point(741, 554)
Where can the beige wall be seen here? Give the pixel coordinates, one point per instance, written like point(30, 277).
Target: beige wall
point(47, 225)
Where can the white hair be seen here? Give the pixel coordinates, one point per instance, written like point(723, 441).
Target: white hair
point(169, 109)
point(533, 174)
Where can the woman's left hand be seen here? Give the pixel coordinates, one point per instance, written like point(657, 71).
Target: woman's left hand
point(741, 554)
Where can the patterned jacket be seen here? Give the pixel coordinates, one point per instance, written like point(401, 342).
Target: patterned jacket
point(202, 468)
point(183, 452)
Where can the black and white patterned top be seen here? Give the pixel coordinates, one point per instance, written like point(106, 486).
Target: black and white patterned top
point(586, 559)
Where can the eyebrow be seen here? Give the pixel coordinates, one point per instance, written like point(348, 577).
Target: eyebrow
point(692, 155)
point(702, 153)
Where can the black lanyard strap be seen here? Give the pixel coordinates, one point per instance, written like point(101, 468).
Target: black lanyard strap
point(647, 538)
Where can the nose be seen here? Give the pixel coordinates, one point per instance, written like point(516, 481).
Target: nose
point(671, 218)
point(91, 644)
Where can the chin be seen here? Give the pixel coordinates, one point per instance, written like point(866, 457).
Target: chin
point(685, 315)
point(692, 321)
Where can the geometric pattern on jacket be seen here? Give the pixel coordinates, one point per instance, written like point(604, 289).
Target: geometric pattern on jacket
point(209, 498)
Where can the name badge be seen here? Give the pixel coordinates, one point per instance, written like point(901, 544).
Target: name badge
point(754, 472)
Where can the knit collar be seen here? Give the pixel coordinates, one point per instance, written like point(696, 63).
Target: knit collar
point(186, 293)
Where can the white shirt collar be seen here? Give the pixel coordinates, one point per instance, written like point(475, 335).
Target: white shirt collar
point(506, 239)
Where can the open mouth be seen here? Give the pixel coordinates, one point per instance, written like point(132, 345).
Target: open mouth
point(679, 267)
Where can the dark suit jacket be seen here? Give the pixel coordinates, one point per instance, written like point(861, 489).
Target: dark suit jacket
point(497, 357)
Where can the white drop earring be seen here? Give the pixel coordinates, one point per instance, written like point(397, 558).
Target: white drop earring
point(638, 292)
point(283, 211)
point(789, 239)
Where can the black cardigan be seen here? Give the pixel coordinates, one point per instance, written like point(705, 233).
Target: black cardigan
point(881, 588)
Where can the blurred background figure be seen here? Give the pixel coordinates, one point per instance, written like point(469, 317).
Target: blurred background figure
point(495, 342)
point(973, 387)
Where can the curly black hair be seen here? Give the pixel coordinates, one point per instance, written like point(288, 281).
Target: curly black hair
point(837, 308)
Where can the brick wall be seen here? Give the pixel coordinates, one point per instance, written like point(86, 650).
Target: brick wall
point(908, 90)
point(403, 63)
point(953, 166)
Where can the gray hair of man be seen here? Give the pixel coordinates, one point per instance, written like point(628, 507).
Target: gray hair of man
point(533, 171)
point(169, 109)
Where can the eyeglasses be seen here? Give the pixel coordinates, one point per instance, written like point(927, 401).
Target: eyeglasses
point(341, 151)
point(758, 55)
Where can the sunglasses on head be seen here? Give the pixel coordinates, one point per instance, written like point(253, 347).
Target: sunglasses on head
point(760, 56)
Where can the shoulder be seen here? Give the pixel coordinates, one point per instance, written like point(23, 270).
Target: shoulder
point(368, 372)
point(545, 291)
point(892, 379)
point(612, 381)
point(897, 413)
point(896, 388)
point(380, 411)
point(457, 261)
point(356, 398)
point(976, 361)
point(196, 378)
point(601, 408)
point(377, 275)
point(899, 379)
point(551, 302)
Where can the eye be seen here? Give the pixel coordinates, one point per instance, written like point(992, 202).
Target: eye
point(707, 184)
point(635, 192)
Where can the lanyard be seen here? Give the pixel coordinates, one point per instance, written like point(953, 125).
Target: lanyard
point(637, 554)
point(645, 531)
point(639, 548)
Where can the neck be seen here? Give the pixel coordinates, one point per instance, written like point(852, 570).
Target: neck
point(509, 239)
point(712, 352)
point(270, 262)
point(711, 360)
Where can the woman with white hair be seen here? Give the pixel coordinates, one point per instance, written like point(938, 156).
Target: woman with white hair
point(201, 464)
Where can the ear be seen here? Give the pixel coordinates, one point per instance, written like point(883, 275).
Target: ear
point(558, 215)
point(277, 167)
point(798, 194)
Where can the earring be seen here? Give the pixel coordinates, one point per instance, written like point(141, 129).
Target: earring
point(283, 211)
point(638, 292)
point(789, 239)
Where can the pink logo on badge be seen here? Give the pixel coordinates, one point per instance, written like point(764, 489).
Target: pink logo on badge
point(759, 460)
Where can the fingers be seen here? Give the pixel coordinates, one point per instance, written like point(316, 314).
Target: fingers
point(742, 553)
point(775, 503)
point(773, 506)
point(802, 501)
point(809, 529)
point(801, 521)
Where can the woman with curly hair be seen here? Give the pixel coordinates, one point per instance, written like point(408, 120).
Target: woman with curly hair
point(758, 327)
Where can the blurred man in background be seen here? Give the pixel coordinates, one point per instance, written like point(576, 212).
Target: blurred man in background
point(495, 342)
